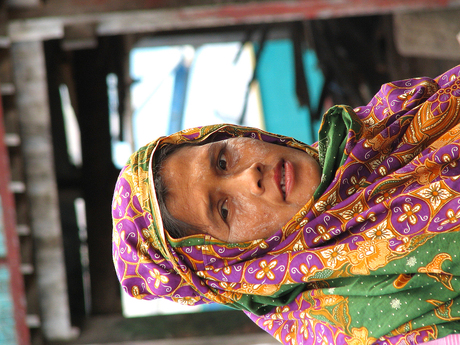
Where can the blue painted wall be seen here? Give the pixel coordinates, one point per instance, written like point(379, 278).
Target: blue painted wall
point(276, 75)
point(7, 322)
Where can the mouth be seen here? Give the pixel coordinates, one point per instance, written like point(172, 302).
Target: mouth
point(284, 177)
point(281, 178)
point(283, 181)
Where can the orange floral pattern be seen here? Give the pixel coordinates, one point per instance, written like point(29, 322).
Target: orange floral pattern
point(371, 259)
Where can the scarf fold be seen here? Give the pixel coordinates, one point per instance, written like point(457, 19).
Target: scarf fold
point(372, 258)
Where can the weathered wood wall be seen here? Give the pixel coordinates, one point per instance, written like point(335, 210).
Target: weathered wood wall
point(230, 8)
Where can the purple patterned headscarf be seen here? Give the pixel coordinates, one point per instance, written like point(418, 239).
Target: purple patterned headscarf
point(371, 259)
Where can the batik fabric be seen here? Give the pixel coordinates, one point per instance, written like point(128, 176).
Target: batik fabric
point(372, 258)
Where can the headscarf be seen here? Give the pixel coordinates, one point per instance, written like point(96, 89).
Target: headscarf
point(371, 258)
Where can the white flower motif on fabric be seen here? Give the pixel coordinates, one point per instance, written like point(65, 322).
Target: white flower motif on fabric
point(369, 121)
point(380, 232)
point(159, 278)
point(387, 195)
point(411, 261)
point(323, 206)
point(374, 164)
point(337, 253)
point(407, 158)
point(266, 270)
point(323, 233)
point(298, 246)
point(371, 216)
point(383, 171)
point(410, 213)
point(355, 184)
point(355, 212)
point(188, 300)
point(435, 194)
point(268, 324)
point(278, 313)
point(117, 198)
point(395, 304)
point(452, 217)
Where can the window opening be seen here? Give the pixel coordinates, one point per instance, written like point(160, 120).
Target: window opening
point(80, 214)
point(183, 86)
point(120, 149)
point(71, 127)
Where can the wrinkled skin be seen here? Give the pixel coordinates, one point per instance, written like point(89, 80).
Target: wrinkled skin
point(232, 189)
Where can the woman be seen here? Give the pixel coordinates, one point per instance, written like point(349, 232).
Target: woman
point(355, 244)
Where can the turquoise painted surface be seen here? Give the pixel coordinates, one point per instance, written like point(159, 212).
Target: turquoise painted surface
point(2, 233)
point(7, 323)
point(276, 75)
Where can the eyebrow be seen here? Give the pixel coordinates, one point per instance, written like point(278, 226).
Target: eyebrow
point(211, 154)
point(211, 157)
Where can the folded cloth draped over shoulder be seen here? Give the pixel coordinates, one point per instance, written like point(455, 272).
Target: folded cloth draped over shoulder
point(372, 258)
point(453, 339)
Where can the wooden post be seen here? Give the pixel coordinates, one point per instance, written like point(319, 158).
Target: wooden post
point(12, 300)
point(33, 108)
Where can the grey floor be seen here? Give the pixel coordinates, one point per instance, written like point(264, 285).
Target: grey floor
point(252, 339)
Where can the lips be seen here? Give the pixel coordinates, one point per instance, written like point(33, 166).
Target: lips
point(284, 177)
point(283, 181)
point(288, 177)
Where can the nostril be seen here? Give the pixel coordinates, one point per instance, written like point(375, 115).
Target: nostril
point(259, 184)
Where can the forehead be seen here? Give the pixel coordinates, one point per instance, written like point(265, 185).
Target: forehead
point(185, 157)
point(184, 176)
point(186, 172)
point(188, 155)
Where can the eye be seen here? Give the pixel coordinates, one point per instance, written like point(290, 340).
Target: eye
point(224, 210)
point(222, 161)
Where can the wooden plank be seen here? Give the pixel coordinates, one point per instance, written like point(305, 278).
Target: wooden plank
point(23, 3)
point(7, 321)
point(148, 16)
point(235, 9)
point(33, 109)
point(11, 240)
point(2, 234)
point(199, 328)
point(36, 30)
point(248, 339)
point(428, 34)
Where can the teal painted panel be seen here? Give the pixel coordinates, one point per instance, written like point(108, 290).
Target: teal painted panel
point(7, 322)
point(2, 233)
point(276, 75)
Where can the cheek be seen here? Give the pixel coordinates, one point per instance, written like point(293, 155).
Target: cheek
point(309, 177)
point(198, 172)
point(250, 149)
point(253, 221)
point(314, 174)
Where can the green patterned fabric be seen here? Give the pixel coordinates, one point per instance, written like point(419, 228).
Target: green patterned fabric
point(372, 258)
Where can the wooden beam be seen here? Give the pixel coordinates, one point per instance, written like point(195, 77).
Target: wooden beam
point(23, 3)
point(428, 34)
point(98, 174)
point(36, 30)
point(150, 16)
point(237, 10)
point(11, 242)
point(33, 109)
point(249, 339)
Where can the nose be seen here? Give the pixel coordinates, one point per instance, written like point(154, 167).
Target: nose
point(250, 179)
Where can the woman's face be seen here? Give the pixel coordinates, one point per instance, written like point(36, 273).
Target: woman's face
point(239, 189)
